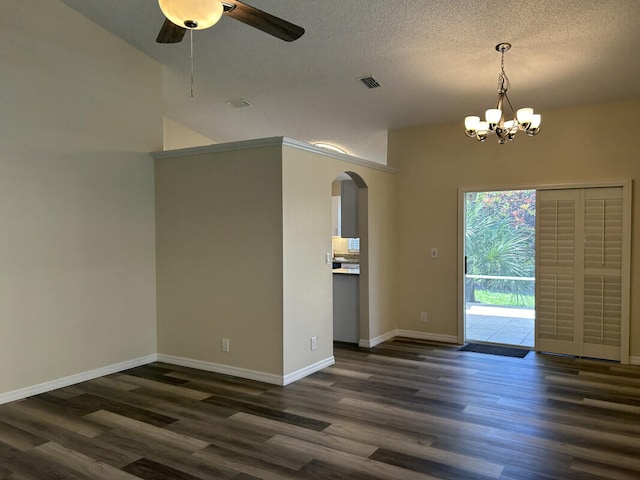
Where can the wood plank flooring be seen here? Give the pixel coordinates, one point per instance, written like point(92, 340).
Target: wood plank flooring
point(403, 410)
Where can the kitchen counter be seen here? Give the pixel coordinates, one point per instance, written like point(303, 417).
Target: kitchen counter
point(347, 271)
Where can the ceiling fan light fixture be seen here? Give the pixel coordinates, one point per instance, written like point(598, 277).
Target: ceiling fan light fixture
point(192, 14)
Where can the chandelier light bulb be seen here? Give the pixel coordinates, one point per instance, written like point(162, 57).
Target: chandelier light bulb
point(483, 130)
point(534, 126)
point(536, 119)
point(471, 122)
point(511, 128)
point(471, 125)
point(524, 119)
point(493, 115)
point(524, 115)
point(192, 14)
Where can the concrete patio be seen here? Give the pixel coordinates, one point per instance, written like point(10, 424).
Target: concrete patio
point(508, 325)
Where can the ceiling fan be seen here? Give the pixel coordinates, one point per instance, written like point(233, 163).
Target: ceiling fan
point(183, 15)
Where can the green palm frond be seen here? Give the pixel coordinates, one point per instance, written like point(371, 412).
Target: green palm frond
point(498, 242)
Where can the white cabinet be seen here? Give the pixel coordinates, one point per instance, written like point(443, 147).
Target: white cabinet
point(336, 217)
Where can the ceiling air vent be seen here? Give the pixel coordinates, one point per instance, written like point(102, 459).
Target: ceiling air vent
point(239, 103)
point(369, 81)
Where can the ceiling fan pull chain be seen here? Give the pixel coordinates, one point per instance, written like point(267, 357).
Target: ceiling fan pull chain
point(191, 38)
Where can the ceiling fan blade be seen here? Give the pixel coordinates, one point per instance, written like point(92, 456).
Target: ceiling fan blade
point(170, 32)
point(262, 20)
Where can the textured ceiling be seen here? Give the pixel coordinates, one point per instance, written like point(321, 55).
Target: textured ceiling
point(434, 59)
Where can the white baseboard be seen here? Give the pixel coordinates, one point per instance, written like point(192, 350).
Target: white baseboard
point(434, 337)
point(377, 340)
point(304, 372)
point(634, 360)
point(73, 379)
point(246, 373)
point(223, 369)
point(185, 362)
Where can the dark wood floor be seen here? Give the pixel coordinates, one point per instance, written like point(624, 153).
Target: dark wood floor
point(403, 410)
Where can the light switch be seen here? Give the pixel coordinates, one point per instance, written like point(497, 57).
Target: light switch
point(434, 253)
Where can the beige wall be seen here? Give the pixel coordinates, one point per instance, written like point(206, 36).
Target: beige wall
point(306, 206)
point(307, 179)
point(242, 234)
point(80, 109)
point(219, 257)
point(380, 248)
point(578, 145)
point(175, 136)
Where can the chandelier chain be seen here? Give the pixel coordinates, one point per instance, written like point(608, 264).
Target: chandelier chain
point(191, 58)
point(503, 80)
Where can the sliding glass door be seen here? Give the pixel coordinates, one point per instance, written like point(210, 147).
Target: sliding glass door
point(499, 249)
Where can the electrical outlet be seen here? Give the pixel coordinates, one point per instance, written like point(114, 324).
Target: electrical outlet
point(314, 343)
point(423, 317)
point(225, 344)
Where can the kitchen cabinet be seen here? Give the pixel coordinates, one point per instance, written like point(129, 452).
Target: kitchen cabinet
point(346, 308)
point(349, 227)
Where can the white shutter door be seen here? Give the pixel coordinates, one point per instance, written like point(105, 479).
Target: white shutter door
point(579, 286)
point(558, 257)
point(603, 250)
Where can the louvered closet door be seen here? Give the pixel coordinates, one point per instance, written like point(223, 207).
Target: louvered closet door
point(557, 271)
point(579, 274)
point(602, 300)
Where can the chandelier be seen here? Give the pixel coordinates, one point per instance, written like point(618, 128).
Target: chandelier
point(524, 119)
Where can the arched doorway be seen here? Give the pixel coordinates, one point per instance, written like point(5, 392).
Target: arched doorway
point(350, 258)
